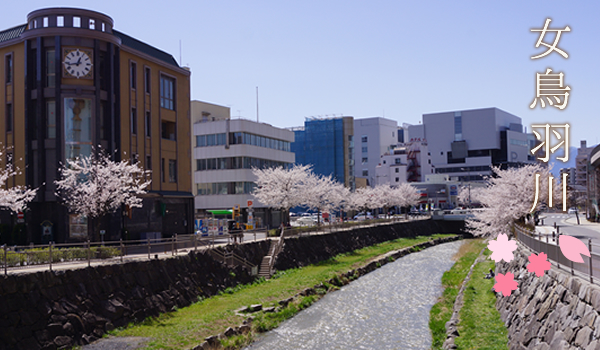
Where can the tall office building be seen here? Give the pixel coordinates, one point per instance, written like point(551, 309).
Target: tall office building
point(374, 138)
point(72, 83)
point(328, 145)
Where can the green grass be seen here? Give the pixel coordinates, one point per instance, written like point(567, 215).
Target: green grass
point(480, 325)
point(187, 327)
point(452, 281)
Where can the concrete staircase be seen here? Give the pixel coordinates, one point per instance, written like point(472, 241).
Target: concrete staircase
point(265, 265)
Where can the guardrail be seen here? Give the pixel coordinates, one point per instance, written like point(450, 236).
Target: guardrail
point(590, 267)
point(52, 255)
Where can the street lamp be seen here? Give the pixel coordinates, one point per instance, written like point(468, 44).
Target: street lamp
point(468, 169)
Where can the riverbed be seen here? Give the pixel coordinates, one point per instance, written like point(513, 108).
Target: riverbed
point(385, 309)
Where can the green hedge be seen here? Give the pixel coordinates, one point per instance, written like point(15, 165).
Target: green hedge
point(38, 256)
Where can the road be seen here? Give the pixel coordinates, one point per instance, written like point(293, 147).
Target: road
point(567, 224)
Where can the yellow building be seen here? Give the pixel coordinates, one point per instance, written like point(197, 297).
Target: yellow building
point(73, 84)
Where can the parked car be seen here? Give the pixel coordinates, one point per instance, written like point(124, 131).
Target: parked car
point(572, 211)
point(363, 216)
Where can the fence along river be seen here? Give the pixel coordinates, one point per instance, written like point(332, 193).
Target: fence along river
point(385, 309)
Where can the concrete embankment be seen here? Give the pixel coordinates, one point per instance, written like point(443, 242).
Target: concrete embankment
point(555, 311)
point(55, 310)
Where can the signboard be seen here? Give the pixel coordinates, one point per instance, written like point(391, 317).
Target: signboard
point(250, 203)
point(453, 190)
point(20, 217)
point(78, 226)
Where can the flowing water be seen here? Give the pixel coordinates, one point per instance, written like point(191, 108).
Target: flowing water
point(385, 309)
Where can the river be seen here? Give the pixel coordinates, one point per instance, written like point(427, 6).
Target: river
point(385, 309)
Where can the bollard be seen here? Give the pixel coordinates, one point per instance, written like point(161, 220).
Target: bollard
point(195, 242)
point(89, 253)
point(175, 243)
point(121, 245)
point(572, 273)
point(50, 254)
point(5, 261)
point(591, 271)
point(148, 248)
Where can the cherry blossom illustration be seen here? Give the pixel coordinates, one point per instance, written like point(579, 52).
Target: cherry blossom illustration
point(572, 247)
point(502, 248)
point(505, 283)
point(538, 263)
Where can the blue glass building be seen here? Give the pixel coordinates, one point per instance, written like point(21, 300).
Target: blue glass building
point(328, 145)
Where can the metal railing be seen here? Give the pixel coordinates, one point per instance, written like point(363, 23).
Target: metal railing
point(547, 244)
point(53, 255)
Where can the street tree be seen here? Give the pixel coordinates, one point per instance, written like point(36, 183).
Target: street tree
point(94, 186)
point(280, 188)
point(323, 194)
point(13, 198)
point(508, 197)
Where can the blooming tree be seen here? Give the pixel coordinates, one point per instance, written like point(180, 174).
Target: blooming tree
point(323, 193)
point(509, 196)
point(281, 188)
point(95, 185)
point(14, 198)
point(406, 195)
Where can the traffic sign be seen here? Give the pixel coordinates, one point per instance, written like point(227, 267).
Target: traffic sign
point(250, 203)
point(20, 215)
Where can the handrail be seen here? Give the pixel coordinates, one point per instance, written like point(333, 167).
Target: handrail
point(534, 242)
point(224, 255)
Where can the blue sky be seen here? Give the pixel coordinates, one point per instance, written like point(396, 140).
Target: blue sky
point(397, 59)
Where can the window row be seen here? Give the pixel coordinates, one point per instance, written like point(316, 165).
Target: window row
point(133, 77)
point(237, 163)
point(211, 140)
point(242, 138)
point(224, 188)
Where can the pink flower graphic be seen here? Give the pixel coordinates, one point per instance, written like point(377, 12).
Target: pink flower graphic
point(505, 284)
point(538, 264)
point(571, 248)
point(502, 248)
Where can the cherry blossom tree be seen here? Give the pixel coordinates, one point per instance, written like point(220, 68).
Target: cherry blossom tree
point(95, 185)
point(509, 196)
point(17, 197)
point(406, 195)
point(323, 193)
point(280, 188)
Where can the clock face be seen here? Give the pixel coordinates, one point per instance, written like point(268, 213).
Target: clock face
point(77, 63)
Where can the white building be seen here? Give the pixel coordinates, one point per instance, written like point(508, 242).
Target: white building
point(225, 150)
point(467, 143)
point(407, 162)
point(373, 137)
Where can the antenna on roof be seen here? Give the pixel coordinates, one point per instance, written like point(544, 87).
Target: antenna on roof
point(257, 104)
point(180, 60)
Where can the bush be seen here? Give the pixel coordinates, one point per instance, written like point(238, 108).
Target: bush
point(38, 256)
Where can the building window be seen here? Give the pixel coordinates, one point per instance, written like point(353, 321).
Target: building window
point(76, 22)
point(148, 124)
point(168, 130)
point(365, 150)
point(397, 179)
point(132, 74)
point(92, 24)
point(9, 117)
point(365, 172)
point(133, 121)
point(172, 170)
point(167, 92)
point(77, 127)
point(50, 119)
point(50, 68)
point(364, 138)
point(9, 69)
point(397, 170)
point(457, 126)
point(398, 161)
point(60, 21)
point(148, 162)
point(365, 160)
point(147, 76)
point(162, 170)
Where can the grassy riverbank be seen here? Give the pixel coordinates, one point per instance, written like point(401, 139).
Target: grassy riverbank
point(185, 328)
point(480, 325)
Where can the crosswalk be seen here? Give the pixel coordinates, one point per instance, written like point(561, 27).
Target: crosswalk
point(557, 216)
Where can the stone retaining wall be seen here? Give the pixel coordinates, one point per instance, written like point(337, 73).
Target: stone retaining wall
point(303, 251)
point(55, 310)
point(555, 311)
